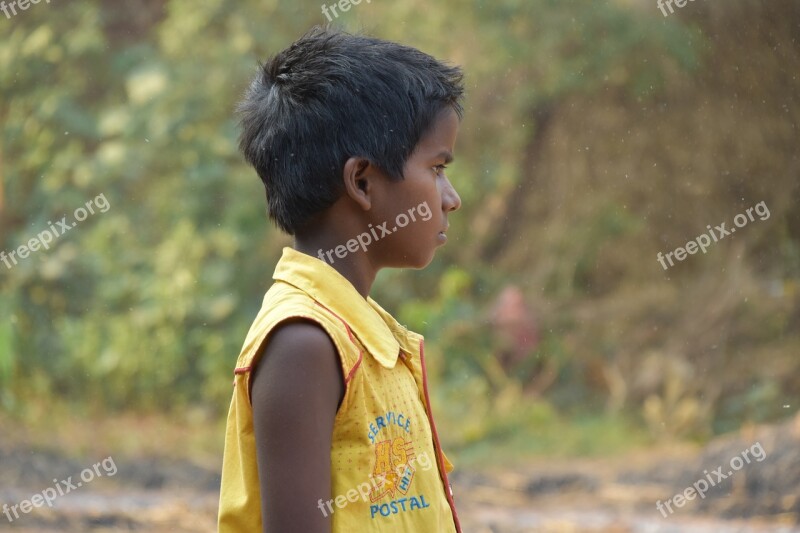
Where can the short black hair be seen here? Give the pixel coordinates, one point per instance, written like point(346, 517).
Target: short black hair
point(330, 96)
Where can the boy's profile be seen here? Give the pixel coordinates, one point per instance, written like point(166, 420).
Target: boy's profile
point(330, 427)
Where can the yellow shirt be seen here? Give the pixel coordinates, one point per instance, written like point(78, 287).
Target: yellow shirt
point(388, 470)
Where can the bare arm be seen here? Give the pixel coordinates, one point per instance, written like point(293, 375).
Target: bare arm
point(297, 388)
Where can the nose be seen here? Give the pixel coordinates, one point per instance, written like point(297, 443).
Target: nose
point(451, 201)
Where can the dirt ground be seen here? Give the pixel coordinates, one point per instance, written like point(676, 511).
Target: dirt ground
point(760, 491)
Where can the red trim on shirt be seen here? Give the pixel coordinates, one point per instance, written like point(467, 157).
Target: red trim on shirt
point(355, 367)
point(346, 326)
point(439, 456)
point(352, 339)
point(242, 370)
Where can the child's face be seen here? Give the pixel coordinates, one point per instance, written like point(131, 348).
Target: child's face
point(425, 197)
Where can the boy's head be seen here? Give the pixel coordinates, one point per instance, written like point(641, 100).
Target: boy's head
point(332, 96)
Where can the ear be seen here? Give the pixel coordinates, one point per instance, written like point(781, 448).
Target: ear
point(358, 174)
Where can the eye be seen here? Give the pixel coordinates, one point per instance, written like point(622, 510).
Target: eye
point(439, 169)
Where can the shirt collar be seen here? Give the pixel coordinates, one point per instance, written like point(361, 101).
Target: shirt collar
point(377, 330)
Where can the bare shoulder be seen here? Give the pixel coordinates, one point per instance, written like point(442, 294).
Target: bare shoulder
point(298, 354)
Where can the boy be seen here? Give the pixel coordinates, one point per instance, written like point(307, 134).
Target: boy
point(330, 427)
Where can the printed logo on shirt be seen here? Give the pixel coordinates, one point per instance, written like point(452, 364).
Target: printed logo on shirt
point(389, 419)
point(394, 469)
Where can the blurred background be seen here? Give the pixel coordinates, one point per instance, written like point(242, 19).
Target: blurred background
point(576, 381)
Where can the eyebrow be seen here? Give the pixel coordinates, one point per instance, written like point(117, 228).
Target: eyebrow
point(447, 156)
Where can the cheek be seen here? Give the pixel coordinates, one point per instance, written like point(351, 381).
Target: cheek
point(419, 199)
point(428, 192)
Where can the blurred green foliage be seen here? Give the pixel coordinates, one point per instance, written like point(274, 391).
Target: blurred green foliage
point(596, 135)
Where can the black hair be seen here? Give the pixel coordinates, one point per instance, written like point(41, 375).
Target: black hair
point(330, 96)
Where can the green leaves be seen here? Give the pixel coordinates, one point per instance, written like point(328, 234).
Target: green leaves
point(147, 305)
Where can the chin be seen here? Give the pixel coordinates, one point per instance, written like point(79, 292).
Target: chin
point(421, 262)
